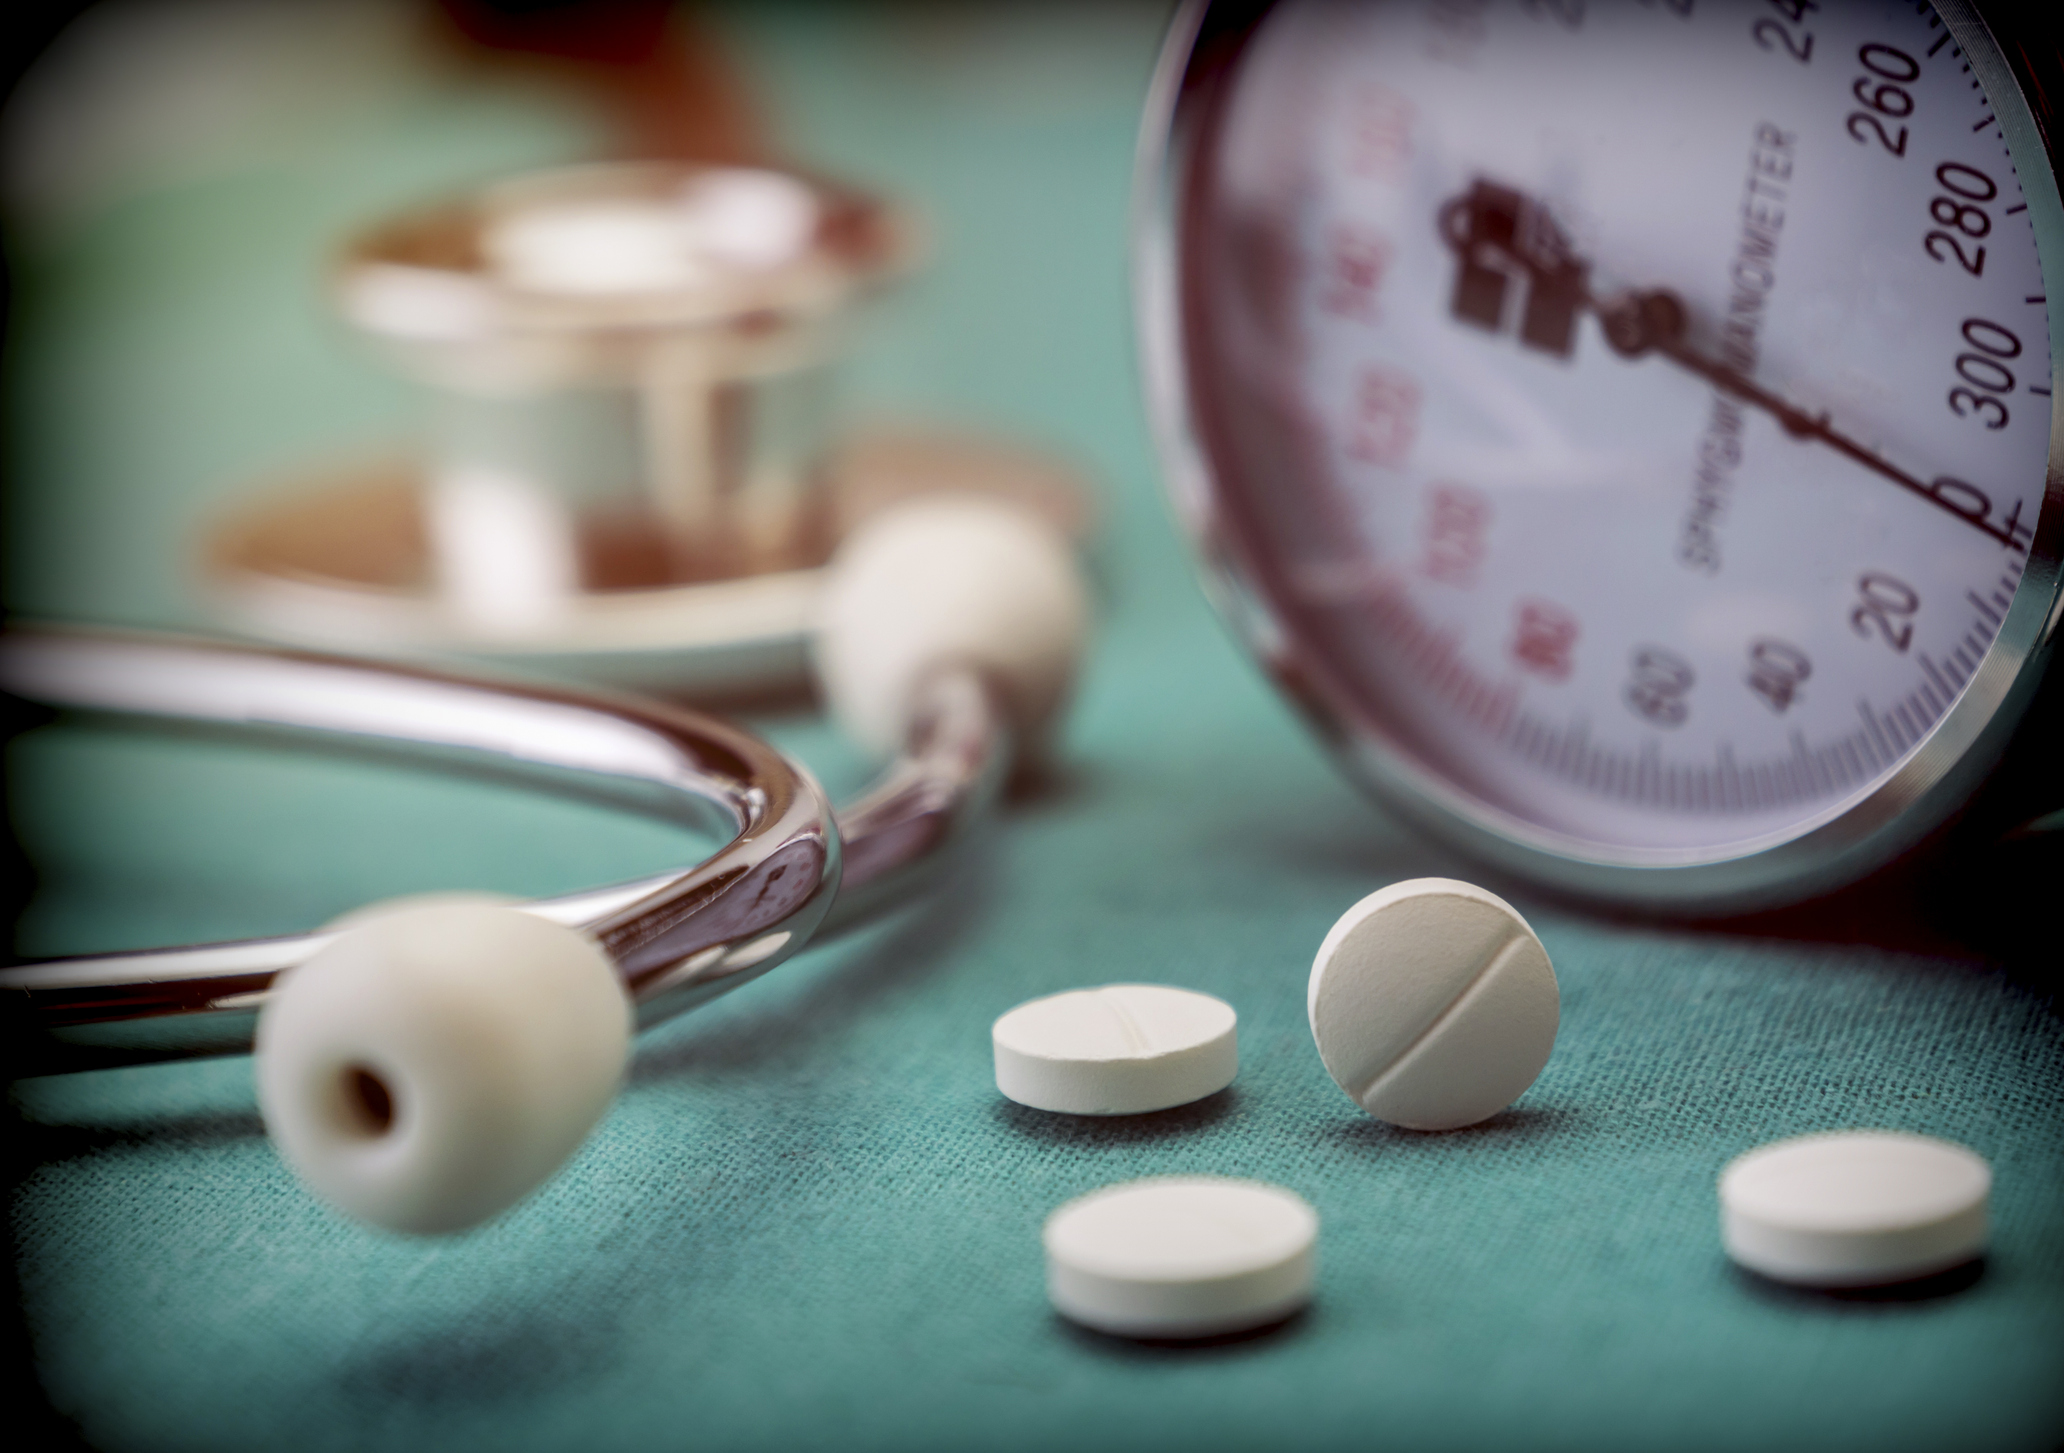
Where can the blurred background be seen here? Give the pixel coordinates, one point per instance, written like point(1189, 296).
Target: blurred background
point(180, 179)
point(180, 174)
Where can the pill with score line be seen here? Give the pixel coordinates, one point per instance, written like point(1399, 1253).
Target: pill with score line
point(1433, 1004)
point(1122, 1049)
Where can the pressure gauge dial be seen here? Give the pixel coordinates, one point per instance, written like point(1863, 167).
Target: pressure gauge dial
point(1625, 425)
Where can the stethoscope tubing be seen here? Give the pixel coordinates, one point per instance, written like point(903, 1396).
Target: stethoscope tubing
point(792, 870)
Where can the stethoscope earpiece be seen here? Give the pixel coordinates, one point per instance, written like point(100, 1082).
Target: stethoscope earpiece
point(423, 1065)
point(434, 1063)
point(950, 580)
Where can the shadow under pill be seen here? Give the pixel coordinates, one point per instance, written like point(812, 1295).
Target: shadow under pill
point(1057, 1128)
point(1518, 1124)
point(1165, 1349)
point(1917, 1292)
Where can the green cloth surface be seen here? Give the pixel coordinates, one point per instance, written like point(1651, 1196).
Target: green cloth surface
point(810, 1221)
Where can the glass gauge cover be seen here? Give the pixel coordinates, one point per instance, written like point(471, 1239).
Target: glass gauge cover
point(1626, 425)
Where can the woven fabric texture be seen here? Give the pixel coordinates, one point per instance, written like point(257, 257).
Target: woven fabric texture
point(811, 1222)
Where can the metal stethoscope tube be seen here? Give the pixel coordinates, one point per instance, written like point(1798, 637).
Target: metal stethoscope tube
point(792, 869)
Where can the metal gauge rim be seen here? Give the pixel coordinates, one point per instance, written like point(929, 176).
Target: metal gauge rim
point(1858, 835)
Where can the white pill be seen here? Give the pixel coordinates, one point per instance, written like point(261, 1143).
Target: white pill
point(433, 1065)
point(945, 580)
point(1181, 1256)
point(1854, 1208)
point(1122, 1049)
point(1433, 1004)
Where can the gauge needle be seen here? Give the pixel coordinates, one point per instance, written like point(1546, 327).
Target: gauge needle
point(1501, 236)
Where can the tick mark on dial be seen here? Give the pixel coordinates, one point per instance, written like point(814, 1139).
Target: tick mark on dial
point(1936, 679)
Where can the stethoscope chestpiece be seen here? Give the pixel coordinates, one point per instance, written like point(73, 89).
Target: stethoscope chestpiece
point(631, 474)
point(630, 367)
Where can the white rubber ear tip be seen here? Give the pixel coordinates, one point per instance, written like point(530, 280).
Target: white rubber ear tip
point(942, 579)
point(435, 1064)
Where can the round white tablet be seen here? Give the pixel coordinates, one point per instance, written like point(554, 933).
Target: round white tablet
point(1122, 1049)
point(1854, 1208)
point(1181, 1256)
point(1433, 1004)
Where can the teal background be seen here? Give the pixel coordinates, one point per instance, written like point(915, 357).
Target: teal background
point(811, 1221)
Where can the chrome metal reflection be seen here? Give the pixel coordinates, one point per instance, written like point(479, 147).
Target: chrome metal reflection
point(679, 939)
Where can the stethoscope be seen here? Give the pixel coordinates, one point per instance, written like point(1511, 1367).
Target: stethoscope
point(631, 466)
point(430, 1065)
